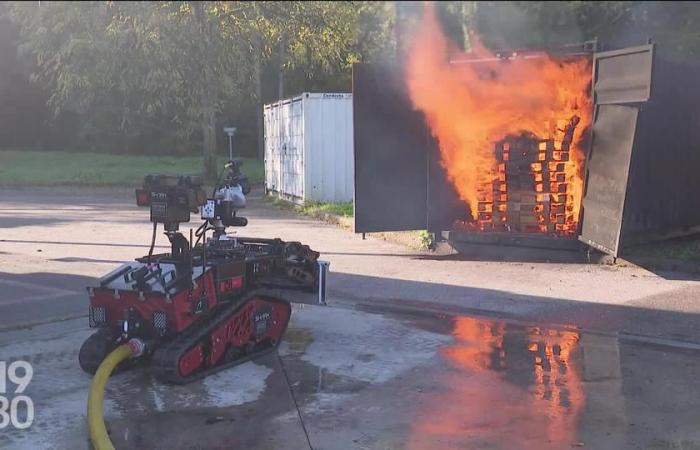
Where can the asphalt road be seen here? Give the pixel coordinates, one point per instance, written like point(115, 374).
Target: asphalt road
point(362, 380)
point(529, 356)
point(54, 242)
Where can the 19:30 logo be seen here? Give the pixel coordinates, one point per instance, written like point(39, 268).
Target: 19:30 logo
point(16, 409)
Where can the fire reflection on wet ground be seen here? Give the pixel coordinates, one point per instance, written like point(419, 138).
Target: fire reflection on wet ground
point(370, 380)
point(507, 387)
point(431, 381)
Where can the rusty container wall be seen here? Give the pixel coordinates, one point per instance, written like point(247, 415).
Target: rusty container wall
point(663, 193)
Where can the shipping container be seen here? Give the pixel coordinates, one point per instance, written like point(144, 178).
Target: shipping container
point(309, 148)
point(640, 180)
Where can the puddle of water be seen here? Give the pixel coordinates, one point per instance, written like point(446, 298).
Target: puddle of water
point(486, 384)
point(392, 381)
point(504, 387)
point(298, 339)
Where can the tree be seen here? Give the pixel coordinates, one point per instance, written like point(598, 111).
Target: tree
point(163, 75)
point(312, 45)
point(672, 25)
point(139, 61)
point(131, 66)
point(22, 109)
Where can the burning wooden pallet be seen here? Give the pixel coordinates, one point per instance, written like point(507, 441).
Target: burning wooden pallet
point(531, 190)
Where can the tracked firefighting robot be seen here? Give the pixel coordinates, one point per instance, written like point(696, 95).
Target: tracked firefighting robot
point(215, 300)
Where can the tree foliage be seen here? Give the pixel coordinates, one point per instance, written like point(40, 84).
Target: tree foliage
point(131, 66)
point(671, 25)
point(168, 74)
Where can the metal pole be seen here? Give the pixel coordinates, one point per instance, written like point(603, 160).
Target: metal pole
point(230, 147)
point(322, 274)
point(280, 74)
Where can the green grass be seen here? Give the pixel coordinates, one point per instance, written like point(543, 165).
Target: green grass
point(46, 168)
point(337, 209)
point(313, 209)
point(425, 238)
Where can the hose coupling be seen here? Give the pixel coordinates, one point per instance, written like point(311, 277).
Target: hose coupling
point(137, 347)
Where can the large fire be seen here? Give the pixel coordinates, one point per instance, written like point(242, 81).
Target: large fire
point(477, 107)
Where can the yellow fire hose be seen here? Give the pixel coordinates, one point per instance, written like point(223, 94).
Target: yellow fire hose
point(96, 424)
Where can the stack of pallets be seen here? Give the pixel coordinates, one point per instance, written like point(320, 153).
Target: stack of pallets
point(530, 192)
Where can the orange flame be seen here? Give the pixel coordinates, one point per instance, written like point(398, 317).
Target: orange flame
point(477, 100)
point(479, 405)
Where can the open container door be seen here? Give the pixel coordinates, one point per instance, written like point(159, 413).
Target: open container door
point(622, 81)
point(391, 153)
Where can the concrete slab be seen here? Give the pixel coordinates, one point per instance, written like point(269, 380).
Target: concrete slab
point(364, 380)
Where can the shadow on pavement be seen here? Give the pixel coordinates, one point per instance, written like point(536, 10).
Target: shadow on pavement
point(18, 222)
point(60, 295)
point(88, 260)
point(626, 318)
point(97, 244)
point(64, 297)
point(668, 269)
point(41, 297)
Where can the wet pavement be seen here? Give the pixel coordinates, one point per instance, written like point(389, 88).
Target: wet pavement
point(364, 379)
point(55, 241)
point(396, 361)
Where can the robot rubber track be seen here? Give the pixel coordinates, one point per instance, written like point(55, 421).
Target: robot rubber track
point(233, 334)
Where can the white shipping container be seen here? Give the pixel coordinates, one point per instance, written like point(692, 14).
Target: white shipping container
point(309, 148)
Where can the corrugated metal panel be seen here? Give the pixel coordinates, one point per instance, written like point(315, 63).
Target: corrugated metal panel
point(607, 173)
point(623, 76)
point(328, 127)
point(308, 144)
point(293, 149)
point(272, 145)
point(314, 125)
